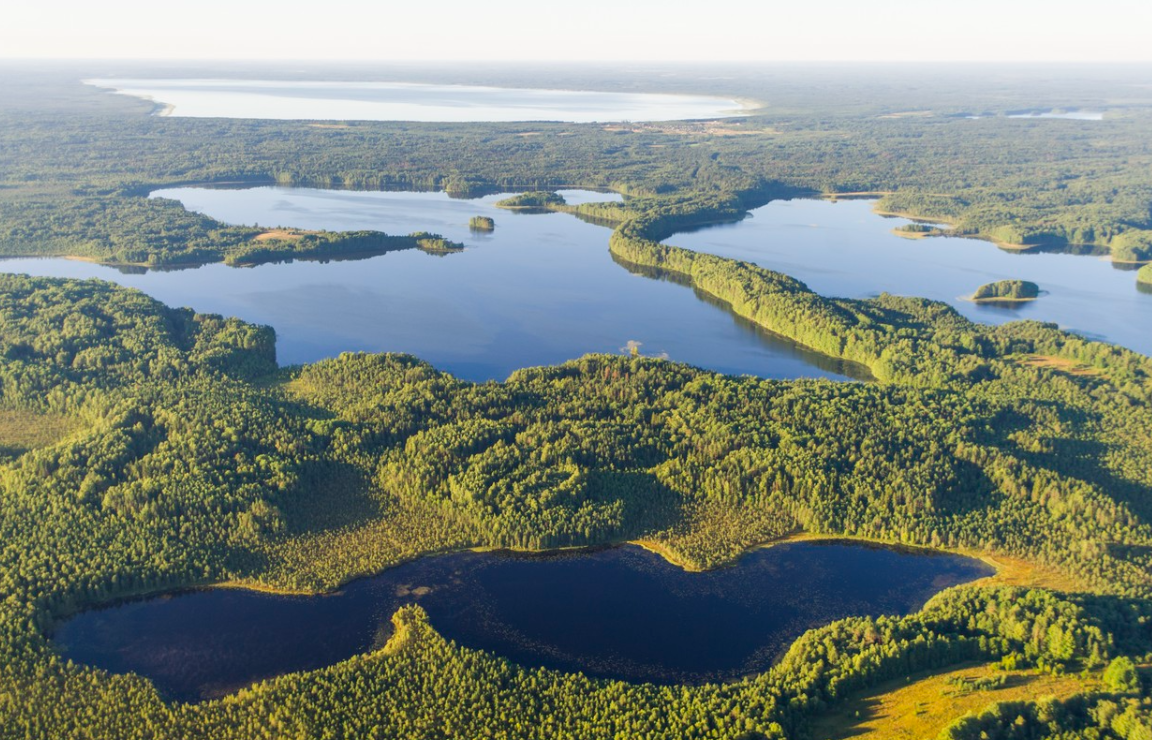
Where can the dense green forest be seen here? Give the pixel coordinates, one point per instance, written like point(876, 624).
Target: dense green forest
point(1012, 290)
point(193, 459)
point(145, 448)
point(535, 199)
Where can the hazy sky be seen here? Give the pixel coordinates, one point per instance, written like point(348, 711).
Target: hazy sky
point(560, 30)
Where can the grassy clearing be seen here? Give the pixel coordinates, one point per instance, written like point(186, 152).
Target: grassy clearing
point(21, 431)
point(1070, 367)
point(282, 235)
point(921, 706)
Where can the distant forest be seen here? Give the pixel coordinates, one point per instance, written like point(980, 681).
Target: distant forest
point(74, 184)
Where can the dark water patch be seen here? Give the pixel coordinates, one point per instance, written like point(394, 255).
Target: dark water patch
point(619, 613)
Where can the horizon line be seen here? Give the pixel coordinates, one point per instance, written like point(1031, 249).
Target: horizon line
point(671, 62)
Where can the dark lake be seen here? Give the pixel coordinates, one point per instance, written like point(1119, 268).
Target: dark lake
point(539, 290)
point(620, 613)
point(845, 249)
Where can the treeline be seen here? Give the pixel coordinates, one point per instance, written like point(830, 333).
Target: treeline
point(1014, 290)
point(1102, 717)
point(334, 245)
point(534, 199)
point(117, 229)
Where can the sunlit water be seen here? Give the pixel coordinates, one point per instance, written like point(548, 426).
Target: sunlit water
point(844, 249)
point(619, 613)
point(402, 101)
point(539, 290)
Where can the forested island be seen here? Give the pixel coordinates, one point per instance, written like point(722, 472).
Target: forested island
point(147, 448)
point(1144, 275)
point(285, 245)
point(535, 199)
point(482, 223)
point(915, 231)
point(1007, 290)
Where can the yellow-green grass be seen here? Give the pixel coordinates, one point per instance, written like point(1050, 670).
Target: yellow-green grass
point(1060, 364)
point(21, 431)
point(920, 707)
point(1010, 570)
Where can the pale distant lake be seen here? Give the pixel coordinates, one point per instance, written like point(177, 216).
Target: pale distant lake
point(1067, 115)
point(1071, 115)
point(402, 101)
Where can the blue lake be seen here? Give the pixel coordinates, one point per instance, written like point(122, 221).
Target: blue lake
point(539, 290)
point(844, 249)
point(543, 288)
point(618, 613)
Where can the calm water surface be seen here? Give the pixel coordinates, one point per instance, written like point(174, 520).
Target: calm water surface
point(621, 613)
point(403, 101)
point(540, 290)
point(1070, 115)
point(844, 249)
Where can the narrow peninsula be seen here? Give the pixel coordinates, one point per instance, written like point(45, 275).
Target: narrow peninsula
point(534, 199)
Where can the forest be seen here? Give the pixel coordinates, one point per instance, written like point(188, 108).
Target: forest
point(145, 448)
point(1012, 290)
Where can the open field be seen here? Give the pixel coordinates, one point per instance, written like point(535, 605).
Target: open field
point(919, 707)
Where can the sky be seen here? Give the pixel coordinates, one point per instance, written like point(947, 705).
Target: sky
point(582, 30)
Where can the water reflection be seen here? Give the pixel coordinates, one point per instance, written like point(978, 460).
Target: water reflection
point(843, 248)
point(538, 290)
point(620, 613)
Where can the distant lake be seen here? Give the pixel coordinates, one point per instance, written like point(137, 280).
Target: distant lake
point(618, 613)
point(539, 290)
point(402, 101)
point(1068, 115)
point(1071, 115)
point(844, 249)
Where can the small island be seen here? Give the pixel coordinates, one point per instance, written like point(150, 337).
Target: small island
point(435, 244)
point(1144, 275)
point(481, 223)
point(1007, 290)
point(534, 199)
point(915, 231)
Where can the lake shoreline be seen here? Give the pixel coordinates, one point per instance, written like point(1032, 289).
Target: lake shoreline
point(469, 600)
